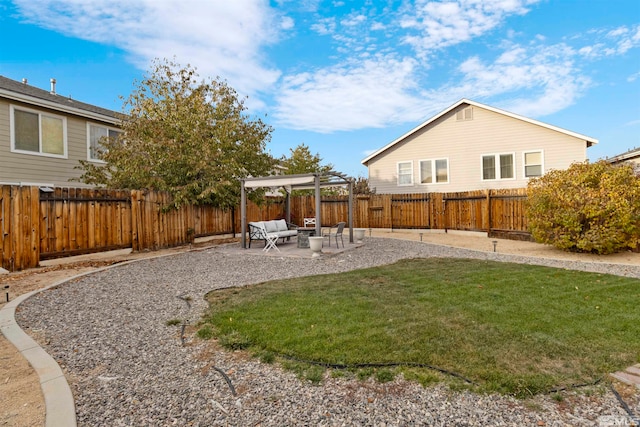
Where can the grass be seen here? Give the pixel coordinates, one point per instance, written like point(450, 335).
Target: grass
point(173, 322)
point(510, 328)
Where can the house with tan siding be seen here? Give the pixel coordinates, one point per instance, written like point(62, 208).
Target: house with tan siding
point(472, 146)
point(43, 135)
point(631, 157)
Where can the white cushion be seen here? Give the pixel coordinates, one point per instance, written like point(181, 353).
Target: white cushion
point(272, 226)
point(282, 225)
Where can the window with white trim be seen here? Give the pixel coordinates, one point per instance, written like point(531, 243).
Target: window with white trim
point(35, 132)
point(405, 173)
point(95, 133)
point(532, 161)
point(434, 171)
point(498, 166)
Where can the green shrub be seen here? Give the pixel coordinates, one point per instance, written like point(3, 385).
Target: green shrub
point(590, 207)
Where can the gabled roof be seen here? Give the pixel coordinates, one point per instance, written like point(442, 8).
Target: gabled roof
point(23, 92)
point(627, 155)
point(590, 141)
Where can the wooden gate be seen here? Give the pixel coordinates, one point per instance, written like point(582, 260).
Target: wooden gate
point(410, 211)
point(76, 221)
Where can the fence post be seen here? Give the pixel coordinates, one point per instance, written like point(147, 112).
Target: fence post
point(489, 213)
point(135, 221)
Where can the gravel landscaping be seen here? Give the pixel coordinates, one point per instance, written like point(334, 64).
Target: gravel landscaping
point(126, 367)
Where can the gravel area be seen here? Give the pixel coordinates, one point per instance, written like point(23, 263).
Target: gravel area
point(126, 367)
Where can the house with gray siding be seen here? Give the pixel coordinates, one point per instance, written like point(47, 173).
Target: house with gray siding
point(43, 134)
point(471, 146)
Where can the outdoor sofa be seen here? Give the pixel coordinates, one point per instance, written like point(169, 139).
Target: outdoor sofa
point(258, 230)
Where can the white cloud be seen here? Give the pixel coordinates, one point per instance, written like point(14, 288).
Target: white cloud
point(538, 82)
point(441, 24)
point(219, 38)
point(353, 20)
point(372, 93)
point(611, 43)
point(324, 26)
point(533, 81)
point(633, 77)
point(287, 23)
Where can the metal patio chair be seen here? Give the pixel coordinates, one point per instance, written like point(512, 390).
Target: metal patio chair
point(339, 228)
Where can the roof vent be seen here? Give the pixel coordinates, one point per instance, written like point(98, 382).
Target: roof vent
point(24, 81)
point(53, 86)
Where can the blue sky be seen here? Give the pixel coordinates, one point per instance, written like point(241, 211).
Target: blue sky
point(348, 77)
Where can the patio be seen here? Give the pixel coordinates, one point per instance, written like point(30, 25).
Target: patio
point(287, 183)
point(290, 248)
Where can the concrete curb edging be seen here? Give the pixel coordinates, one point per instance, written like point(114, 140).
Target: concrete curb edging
point(60, 407)
point(58, 399)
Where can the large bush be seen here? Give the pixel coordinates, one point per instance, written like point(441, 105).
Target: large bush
point(590, 207)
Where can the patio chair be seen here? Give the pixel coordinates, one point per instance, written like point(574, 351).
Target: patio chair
point(270, 242)
point(309, 222)
point(335, 231)
point(258, 231)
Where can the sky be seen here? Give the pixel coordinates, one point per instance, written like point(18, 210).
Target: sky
point(348, 77)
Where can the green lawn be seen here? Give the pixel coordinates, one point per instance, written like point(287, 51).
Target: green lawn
point(509, 328)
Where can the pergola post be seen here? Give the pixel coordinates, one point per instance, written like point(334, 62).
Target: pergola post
point(243, 214)
point(318, 205)
point(287, 205)
point(350, 210)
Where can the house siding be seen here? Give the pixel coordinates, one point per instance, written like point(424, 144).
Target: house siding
point(464, 142)
point(17, 168)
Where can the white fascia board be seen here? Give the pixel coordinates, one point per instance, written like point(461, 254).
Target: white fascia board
point(586, 138)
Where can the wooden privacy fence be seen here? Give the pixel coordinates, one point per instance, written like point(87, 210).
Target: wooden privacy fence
point(37, 225)
point(498, 212)
point(20, 227)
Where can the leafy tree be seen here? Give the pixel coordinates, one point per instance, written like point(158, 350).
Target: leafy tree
point(302, 161)
point(188, 137)
point(590, 207)
point(361, 186)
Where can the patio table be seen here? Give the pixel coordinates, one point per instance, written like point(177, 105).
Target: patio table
point(303, 236)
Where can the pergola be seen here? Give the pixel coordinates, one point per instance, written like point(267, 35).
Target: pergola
point(296, 182)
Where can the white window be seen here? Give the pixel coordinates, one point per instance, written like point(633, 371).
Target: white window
point(498, 166)
point(464, 114)
point(405, 173)
point(95, 133)
point(434, 171)
point(533, 165)
point(35, 132)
